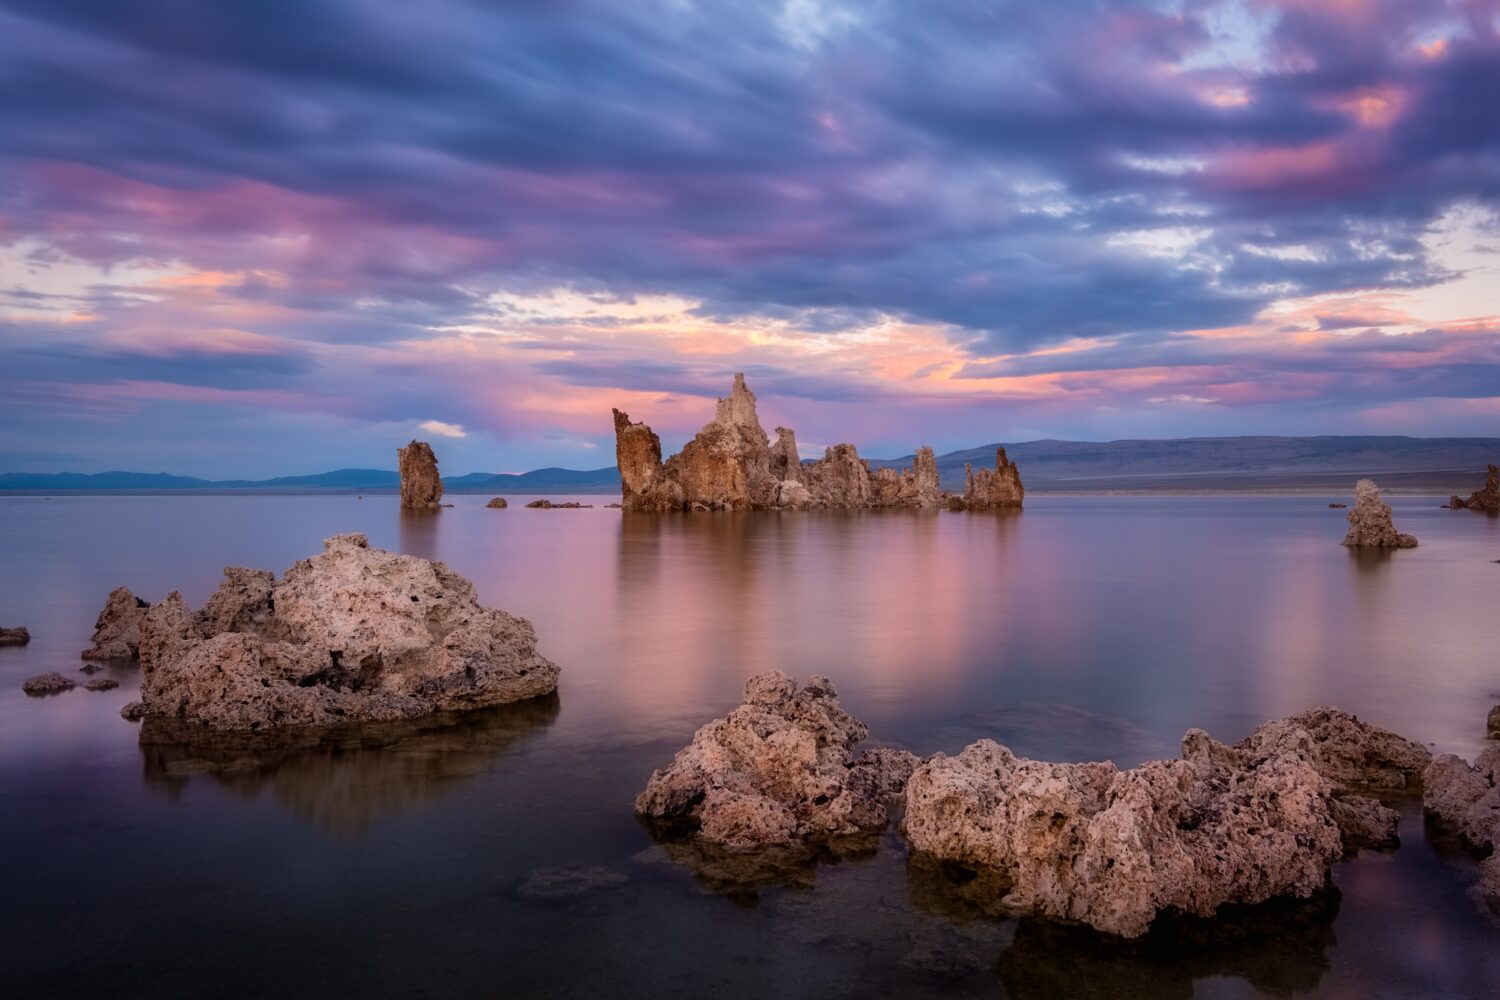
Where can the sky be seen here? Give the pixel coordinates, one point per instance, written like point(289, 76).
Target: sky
point(274, 237)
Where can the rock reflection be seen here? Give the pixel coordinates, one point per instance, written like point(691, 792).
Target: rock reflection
point(342, 779)
point(418, 532)
point(1279, 947)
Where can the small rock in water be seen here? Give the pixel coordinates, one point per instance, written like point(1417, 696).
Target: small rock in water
point(133, 712)
point(1370, 523)
point(1337, 506)
point(18, 636)
point(545, 504)
point(48, 683)
point(570, 881)
point(90, 668)
point(102, 684)
point(497, 504)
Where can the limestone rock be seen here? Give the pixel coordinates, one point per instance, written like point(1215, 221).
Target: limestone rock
point(421, 487)
point(779, 770)
point(48, 683)
point(1466, 799)
point(731, 464)
point(101, 684)
point(18, 636)
point(1370, 524)
point(991, 489)
point(1486, 498)
point(1109, 848)
point(117, 631)
point(497, 504)
point(353, 633)
point(1351, 754)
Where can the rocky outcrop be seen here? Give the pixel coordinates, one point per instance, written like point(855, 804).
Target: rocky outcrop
point(1370, 524)
point(731, 464)
point(1486, 498)
point(497, 504)
point(1465, 798)
point(992, 489)
point(778, 771)
point(549, 505)
point(117, 631)
point(421, 487)
point(48, 683)
point(18, 636)
point(354, 633)
point(1224, 825)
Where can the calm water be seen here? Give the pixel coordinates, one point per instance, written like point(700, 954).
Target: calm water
point(424, 860)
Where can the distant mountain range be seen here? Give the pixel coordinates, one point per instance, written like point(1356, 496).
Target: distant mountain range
point(1168, 465)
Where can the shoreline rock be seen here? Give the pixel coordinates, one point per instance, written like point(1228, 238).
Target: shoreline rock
point(1486, 498)
point(117, 630)
point(421, 486)
point(18, 636)
point(1370, 522)
point(1465, 798)
point(353, 633)
point(731, 464)
point(778, 771)
point(51, 682)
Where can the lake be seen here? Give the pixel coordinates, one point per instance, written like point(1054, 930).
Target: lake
point(497, 853)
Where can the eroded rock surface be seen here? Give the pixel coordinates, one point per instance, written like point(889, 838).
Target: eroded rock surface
point(778, 771)
point(1486, 498)
point(49, 683)
point(1112, 849)
point(354, 633)
point(421, 487)
point(1466, 798)
point(731, 464)
point(1351, 754)
point(18, 636)
point(992, 489)
point(117, 631)
point(1370, 523)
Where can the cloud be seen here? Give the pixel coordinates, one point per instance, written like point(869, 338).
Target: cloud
point(441, 429)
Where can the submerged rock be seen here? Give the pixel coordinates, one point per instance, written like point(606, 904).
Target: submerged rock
point(117, 631)
point(18, 636)
point(1093, 844)
point(549, 505)
point(421, 486)
point(731, 464)
point(51, 682)
point(354, 633)
point(101, 684)
point(497, 504)
point(779, 770)
point(1370, 523)
point(1466, 798)
point(1486, 498)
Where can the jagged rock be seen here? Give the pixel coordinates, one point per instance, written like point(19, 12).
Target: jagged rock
point(1492, 723)
point(18, 636)
point(732, 465)
point(117, 631)
point(779, 770)
point(549, 505)
point(353, 633)
point(1110, 848)
point(1486, 498)
point(133, 711)
point(101, 684)
point(1466, 799)
point(48, 683)
point(1351, 754)
point(1370, 524)
point(1364, 822)
point(989, 489)
point(421, 486)
point(497, 504)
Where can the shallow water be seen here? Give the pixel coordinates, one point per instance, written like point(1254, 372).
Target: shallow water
point(424, 860)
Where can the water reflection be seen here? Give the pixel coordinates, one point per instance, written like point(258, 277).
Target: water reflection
point(741, 875)
point(343, 779)
point(419, 532)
